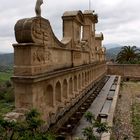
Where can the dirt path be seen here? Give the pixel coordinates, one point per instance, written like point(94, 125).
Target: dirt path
point(123, 129)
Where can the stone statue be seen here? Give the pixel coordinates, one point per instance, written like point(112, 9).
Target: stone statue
point(38, 7)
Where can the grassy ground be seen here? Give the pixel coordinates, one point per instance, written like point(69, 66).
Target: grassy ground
point(4, 76)
point(136, 116)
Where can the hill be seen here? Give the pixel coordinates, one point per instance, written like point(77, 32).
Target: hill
point(112, 53)
point(6, 59)
point(112, 45)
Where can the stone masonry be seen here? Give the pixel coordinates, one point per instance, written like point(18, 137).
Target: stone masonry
point(51, 75)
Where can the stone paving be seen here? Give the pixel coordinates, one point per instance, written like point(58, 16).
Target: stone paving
point(95, 107)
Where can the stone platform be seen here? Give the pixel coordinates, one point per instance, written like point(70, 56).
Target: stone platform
point(103, 106)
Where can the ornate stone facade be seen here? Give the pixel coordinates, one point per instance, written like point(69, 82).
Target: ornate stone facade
point(52, 75)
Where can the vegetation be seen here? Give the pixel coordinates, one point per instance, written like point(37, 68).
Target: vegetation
point(5, 76)
point(100, 127)
point(29, 129)
point(128, 55)
point(6, 93)
point(136, 120)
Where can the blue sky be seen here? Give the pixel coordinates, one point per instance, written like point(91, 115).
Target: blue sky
point(119, 20)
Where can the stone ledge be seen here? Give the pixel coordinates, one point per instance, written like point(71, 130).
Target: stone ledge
point(106, 136)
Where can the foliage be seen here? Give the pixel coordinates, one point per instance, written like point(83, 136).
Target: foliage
point(29, 129)
point(5, 76)
point(128, 55)
point(136, 119)
point(6, 95)
point(5, 107)
point(100, 127)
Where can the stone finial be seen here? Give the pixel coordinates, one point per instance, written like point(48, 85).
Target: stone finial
point(38, 7)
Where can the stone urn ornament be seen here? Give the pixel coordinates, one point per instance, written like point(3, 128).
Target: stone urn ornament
point(38, 8)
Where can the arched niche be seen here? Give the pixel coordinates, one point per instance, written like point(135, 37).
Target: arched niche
point(65, 88)
point(70, 86)
point(58, 92)
point(49, 95)
point(75, 83)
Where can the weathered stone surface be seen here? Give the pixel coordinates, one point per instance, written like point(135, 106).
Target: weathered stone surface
point(124, 70)
point(52, 75)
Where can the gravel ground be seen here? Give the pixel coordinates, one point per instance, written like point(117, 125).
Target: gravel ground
point(123, 129)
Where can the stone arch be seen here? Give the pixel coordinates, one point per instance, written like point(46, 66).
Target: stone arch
point(65, 88)
point(70, 86)
point(49, 95)
point(75, 83)
point(58, 91)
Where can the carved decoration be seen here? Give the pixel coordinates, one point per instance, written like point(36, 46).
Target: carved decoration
point(38, 56)
point(33, 30)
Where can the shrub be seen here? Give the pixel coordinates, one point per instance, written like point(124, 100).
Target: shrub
point(29, 129)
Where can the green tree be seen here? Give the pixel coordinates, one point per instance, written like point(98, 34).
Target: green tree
point(129, 55)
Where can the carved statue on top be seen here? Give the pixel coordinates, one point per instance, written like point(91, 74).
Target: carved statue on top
point(38, 7)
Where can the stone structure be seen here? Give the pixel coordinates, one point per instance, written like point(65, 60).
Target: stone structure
point(131, 71)
point(52, 75)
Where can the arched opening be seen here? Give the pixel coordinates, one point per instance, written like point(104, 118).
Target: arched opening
point(75, 83)
point(70, 86)
point(91, 76)
point(81, 33)
point(83, 79)
point(65, 88)
point(79, 81)
point(58, 91)
point(86, 77)
point(49, 95)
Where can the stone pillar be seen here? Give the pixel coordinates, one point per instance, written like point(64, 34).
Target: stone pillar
point(91, 19)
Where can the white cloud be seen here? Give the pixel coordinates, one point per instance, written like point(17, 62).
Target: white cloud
point(119, 20)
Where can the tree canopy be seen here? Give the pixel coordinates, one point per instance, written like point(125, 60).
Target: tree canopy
point(128, 55)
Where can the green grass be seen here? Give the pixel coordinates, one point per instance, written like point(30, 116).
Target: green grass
point(5, 76)
point(5, 107)
point(136, 120)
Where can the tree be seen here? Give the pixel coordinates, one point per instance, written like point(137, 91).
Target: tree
point(129, 55)
point(29, 129)
point(100, 127)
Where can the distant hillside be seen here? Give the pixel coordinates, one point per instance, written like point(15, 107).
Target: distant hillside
point(112, 53)
point(6, 59)
point(112, 45)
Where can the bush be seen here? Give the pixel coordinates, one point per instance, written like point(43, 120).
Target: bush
point(100, 127)
point(9, 95)
point(29, 129)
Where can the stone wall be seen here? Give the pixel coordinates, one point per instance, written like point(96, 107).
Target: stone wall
point(52, 75)
point(124, 70)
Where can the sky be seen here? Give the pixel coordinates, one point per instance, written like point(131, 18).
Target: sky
point(119, 20)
